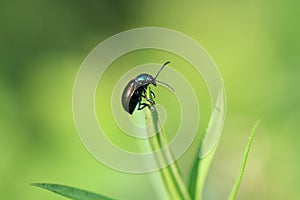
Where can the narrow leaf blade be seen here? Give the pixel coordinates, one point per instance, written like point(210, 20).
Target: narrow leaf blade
point(208, 147)
point(70, 192)
point(193, 178)
point(237, 183)
point(199, 173)
point(170, 174)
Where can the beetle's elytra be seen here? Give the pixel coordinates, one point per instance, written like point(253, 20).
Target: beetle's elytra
point(135, 90)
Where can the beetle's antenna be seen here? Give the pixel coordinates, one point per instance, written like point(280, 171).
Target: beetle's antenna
point(161, 69)
point(166, 84)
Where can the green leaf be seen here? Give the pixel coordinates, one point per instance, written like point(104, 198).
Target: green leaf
point(198, 174)
point(193, 178)
point(70, 192)
point(208, 147)
point(170, 174)
point(237, 183)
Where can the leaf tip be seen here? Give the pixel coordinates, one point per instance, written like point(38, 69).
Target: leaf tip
point(37, 184)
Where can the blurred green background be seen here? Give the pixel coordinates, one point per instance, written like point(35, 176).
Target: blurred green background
point(255, 44)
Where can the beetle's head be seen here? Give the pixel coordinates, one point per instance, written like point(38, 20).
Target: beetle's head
point(152, 80)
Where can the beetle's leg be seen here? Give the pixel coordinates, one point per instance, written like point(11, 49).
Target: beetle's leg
point(141, 106)
point(149, 100)
point(145, 91)
point(152, 93)
point(139, 103)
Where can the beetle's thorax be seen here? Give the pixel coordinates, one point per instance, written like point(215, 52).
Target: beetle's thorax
point(145, 79)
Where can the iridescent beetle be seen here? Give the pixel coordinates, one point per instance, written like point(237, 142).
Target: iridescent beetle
point(136, 89)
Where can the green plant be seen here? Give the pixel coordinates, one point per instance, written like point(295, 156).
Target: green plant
point(170, 175)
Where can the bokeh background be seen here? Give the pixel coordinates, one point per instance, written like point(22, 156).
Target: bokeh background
point(255, 44)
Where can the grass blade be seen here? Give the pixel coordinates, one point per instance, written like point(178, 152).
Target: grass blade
point(193, 178)
point(70, 192)
point(170, 174)
point(237, 183)
point(198, 174)
point(208, 147)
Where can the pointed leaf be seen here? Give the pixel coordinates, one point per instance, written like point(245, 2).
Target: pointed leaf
point(70, 192)
point(237, 183)
point(208, 147)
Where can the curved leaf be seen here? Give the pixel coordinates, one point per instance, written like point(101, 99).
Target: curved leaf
point(208, 147)
point(170, 174)
point(70, 192)
point(237, 183)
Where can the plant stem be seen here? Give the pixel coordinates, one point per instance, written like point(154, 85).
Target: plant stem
point(170, 174)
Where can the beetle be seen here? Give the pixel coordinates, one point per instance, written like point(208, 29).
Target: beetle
point(135, 90)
